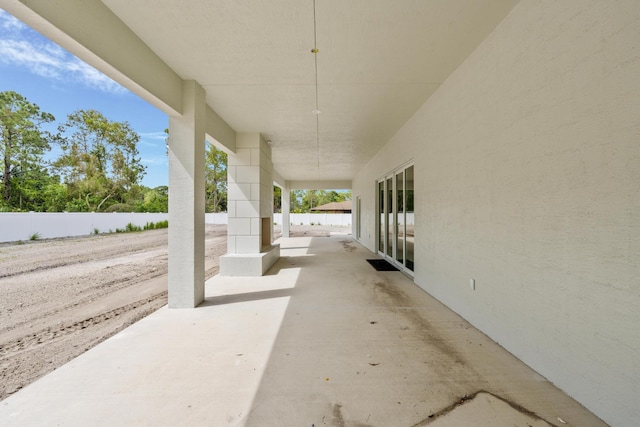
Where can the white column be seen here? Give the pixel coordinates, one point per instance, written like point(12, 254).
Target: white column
point(186, 199)
point(286, 209)
point(250, 251)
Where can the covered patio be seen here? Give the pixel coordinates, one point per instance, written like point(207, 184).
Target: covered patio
point(492, 151)
point(321, 339)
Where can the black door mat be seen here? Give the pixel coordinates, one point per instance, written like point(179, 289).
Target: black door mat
point(381, 265)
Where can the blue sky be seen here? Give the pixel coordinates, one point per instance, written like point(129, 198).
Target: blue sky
point(59, 83)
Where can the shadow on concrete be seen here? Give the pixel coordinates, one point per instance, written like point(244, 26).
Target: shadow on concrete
point(246, 297)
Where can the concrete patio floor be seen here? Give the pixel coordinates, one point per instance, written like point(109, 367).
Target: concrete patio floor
point(322, 340)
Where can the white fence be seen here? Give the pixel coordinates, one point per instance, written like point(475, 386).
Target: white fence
point(295, 219)
point(315, 219)
point(215, 218)
point(16, 226)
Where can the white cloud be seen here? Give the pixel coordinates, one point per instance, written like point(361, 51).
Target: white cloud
point(16, 52)
point(152, 139)
point(154, 135)
point(144, 143)
point(155, 160)
point(22, 47)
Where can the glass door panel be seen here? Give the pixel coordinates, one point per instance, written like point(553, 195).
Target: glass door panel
point(381, 232)
point(399, 217)
point(409, 219)
point(389, 223)
point(358, 218)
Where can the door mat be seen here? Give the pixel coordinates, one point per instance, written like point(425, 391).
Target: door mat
point(381, 265)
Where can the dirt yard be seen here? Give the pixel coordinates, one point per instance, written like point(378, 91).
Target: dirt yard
point(61, 297)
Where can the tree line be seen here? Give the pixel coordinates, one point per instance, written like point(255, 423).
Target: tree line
point(98, 167)
point(302, 201)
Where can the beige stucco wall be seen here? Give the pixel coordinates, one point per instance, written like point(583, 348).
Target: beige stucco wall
point(528, 180)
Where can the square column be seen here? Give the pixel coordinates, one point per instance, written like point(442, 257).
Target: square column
point(286, 210)
point(186, 199)
point(250, 251)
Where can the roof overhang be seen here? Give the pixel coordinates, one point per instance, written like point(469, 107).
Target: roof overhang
point(378, 61)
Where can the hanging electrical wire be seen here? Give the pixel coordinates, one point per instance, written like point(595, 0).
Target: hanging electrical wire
point(317, 109)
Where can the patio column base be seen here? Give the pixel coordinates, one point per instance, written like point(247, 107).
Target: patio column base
point(249, 264)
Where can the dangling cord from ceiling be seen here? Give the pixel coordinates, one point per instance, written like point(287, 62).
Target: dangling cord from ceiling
point(317, 110)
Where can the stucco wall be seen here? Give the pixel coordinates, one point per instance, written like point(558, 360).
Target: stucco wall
point(528, 180)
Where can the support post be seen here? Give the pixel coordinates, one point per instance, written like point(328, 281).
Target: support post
point(286, 209)
point(186, 199)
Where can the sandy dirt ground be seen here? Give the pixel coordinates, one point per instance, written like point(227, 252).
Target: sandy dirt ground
point(61, 297)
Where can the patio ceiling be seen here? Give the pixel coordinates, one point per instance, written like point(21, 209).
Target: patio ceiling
point(378, 62)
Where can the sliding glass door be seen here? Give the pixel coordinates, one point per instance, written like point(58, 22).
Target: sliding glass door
point(396, 217)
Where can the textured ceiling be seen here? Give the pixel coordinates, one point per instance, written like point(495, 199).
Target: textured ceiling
point(378, 62)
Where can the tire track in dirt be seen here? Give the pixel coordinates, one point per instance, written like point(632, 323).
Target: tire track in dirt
point(49, 254)
point(83, 298)
point(43, 336)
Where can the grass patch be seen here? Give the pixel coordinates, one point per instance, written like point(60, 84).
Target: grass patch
point(129, 228)
point(156, 225)
point(35, 236)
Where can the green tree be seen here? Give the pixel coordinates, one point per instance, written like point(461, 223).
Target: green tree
point(54, 196)
point(296, 201)
point(312, 199)
point(216, 179)
point(302, 201)
point(100, 163)
point(22, 147)
point(277, 199)
point(38, 191)
point(155, 200)
point(338, 196)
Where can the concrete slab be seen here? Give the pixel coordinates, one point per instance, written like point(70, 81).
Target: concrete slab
point(486, 410)
point(249, 264)
point(321, 339)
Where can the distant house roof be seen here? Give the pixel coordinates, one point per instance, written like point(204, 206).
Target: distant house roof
point(335, 207)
